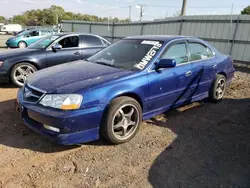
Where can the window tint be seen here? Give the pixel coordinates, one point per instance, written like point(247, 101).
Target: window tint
point(177, 52)
point(90, 41)
point(33, 33)
point(199, 51)
point(69, 42)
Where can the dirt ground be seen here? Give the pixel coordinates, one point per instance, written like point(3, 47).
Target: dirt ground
point(199, 145)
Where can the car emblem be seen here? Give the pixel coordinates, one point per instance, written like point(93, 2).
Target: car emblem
point(27, 93)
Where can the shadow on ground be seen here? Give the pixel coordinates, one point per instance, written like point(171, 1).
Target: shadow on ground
point(211, 149)
point(9, 85)
point(13, 132)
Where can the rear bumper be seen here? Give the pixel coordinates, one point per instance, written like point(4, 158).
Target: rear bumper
point(230, 76)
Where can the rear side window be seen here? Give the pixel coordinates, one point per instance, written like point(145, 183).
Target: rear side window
point(91, 41)
point(177, 52)
point(199, 51)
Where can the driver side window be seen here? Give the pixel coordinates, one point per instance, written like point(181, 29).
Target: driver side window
point(177, 52)
point(69, 42)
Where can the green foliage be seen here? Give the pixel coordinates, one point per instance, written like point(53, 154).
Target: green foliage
point(54, 15)
point(246, 10)
point(2, 18)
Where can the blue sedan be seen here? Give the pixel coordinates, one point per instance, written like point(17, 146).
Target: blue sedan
point(110, 93)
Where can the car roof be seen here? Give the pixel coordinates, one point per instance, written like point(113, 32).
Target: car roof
point(74, 33)
point(160, 37)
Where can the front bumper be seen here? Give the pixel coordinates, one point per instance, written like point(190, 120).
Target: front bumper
point(75, 126)
point(11, 44)
point(4, 77)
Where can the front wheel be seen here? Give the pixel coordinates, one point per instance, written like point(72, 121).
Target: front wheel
point(22, 44)
point(218, 88)
point(20, 72)
point(122, 120)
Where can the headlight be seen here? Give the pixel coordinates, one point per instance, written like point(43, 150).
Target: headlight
point(62, 101)
point(1, 63)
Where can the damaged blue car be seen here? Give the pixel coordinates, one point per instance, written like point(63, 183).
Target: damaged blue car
point(110, 93)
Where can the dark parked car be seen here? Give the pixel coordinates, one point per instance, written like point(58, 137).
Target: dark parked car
point(111, 92)
point(17, 64)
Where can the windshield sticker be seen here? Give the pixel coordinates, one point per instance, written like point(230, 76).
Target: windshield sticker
point(147, 58)
point(150, 42)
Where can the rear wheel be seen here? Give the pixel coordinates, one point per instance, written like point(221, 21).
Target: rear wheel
point(218, 88)
point(22, 44)
point(121, 120)
point(20, 72)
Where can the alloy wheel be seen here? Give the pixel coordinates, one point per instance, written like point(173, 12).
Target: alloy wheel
point(220, 88)
point(125, 121)
point(22, 72)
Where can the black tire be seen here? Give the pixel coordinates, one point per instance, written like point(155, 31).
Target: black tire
point(12, 74)
point(106, 129)
point(213, 93)
point(22, 44)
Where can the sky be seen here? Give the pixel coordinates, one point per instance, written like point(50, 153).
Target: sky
point(153, 9)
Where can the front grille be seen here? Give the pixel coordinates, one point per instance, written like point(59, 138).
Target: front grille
point(32, 94)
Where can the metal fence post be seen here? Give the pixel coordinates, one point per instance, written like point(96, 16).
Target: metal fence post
point(90, 27)
point(72, 26)
point(142, 25)
point(181, 22)
point(112, 31)
point(235, 32)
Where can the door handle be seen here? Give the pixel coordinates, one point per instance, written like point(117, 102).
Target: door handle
point(215, 66)
point(77, 53)
point(189, 73)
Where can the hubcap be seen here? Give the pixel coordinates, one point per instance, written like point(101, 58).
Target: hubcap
point(220, 89)
point(22, 72)
point(125, 121)
point(22, 45)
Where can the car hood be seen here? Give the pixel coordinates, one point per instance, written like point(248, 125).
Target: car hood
point(16, 52)
point(74, 76)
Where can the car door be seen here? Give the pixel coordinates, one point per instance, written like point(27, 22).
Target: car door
point(90, 45)
point(32, 37)
point(169, 87)
point(204, 68)
point(70, 51)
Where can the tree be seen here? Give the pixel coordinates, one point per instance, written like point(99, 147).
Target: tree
point(177, 13)
point(54, 15)
point(2, 18)
point(246, 10)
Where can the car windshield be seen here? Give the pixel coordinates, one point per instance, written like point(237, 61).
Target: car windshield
point(128, 54)
point(20, 33)
point(44, 42)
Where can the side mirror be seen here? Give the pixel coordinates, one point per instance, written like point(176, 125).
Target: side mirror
point(57, 47)
point(165, 63)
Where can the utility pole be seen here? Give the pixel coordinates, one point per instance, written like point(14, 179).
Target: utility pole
point(140, 6)
point(129, 16)
point(141, 13)
point(183, 10)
